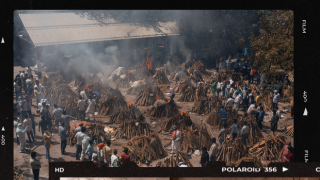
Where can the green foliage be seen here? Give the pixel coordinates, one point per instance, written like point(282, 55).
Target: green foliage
point(274, 46)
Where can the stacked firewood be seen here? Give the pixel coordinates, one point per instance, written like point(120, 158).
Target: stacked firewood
point(161, 78)
point(145, 148)
point(95, 132)
point(136, 90)
point(255, 133)
point(182, 86)
point(268, 99)
point(130, 129)
point(188, 95)
point(174, 161)
point(123, 113)
point(269, 148)
point(214, 118)
point(231, 151)
point(248, 158)
point(194, 138)
point(18, 173)
point(181, 120)
point(110, 102)
point(204, 105)
point(149, 96)
point(122, 83)
point(169, 110)
point(289, 130)
point(58, 92)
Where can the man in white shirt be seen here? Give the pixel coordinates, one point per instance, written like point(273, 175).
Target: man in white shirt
point(244, 132)
point(237, 102)
point(235, 93)
point(79, 137)
point(230, 102)
point(91, 108)
point(213, 150)
point(250, 109)
point(175, 139)
point(28, 123)
point(82, 108)
point(114, 158)
point(84, 94)
point(23, 106)
point(276, 98)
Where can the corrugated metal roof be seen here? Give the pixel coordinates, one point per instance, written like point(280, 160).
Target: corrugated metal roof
point(67, 27)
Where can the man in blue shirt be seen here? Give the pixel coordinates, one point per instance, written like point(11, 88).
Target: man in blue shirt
point(57, 113)
point(196, 76)
point(248, 69)
point(235, 129)
point(223, 116)
point(274, 121)
point(63, 137)
point(260, 118)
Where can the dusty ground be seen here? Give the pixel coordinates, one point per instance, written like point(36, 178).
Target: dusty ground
point(23, 159)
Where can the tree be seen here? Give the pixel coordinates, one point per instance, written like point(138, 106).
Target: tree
point(274, 46)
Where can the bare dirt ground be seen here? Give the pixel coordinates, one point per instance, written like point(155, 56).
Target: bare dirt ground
point(23, 159)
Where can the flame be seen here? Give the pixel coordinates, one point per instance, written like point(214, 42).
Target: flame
point(183, 112)
point(157, 97)
point(130, 103)
point(148, 63)
point(201, 65)
point(109, 127)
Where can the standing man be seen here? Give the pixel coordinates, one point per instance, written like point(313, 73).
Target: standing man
point(261, 117)
point(92, 105)
point(223, 134)
point(278, 113)
point(17, 89)
point(213, 150)
point(37, 95)
point(204, 157)
point(66, 120)
point(29, 91)
point(48, 116)
point(235, 129)
point(79, 137)
point(237, 102)
point(258, 98)
point(108, 153)
point(40, 89)
point(244, 133)
point(84, 94)
point(28, 123)
point(82, 108)
point(35, 165)
point(63, 137)
point(47, 142)
point(223, 116)
point(274, 121)
point(214, 87)
point(176, 78)
point(252, 73)
point(172, 94)
point(125, 156)
point(175, 139)
point(85, 144)
point(57, 113)
point(229, 63)
point(230, 102)
point(219, 87)
point(78, 129)
point(43, 124)
point(22, 137)
point(276, 98)
point(23, 106)
point(258, 111)
point(100, 154)
point(251, 108)
point(196, 76)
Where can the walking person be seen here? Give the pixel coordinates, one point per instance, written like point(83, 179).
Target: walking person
point(204, 157)
point(107, 153)
point(223, 133)
point(235, 129)
point(35, 165)
point(258, 111)
point(31, 116)
point(15, 124)
point(47, 143)
point(175, 139)
point(48, 116)
point(251, 108)
point(274, 121)
point(90, 150)
point(82, 108)
point(230, 102)
point(28, 123)
point(92, 105)
point(261, 117)
point(40, 89)
point(29, 90)
point(63, 138)
point(214, 87)
point(57, 113)
point(244, 133)
point(85, 144)
point(258, 98)
point(237, 102)
point(22, 137)
point(37, 95)
point(276, 98)
point(79, 137)
point(85, 94)
point(213, 150)
point(219, 87)
point(23, 106)
point(43, 124)
point(17, 89)
point(223, 116)
point(66, 120)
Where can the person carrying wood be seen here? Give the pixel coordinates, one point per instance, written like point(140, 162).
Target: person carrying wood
point(244, 133)
point(223, 116)
point(175, 139)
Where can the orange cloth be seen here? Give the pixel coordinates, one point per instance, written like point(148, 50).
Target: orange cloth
point(80, 123)
point(101, 145)
point(252, 72)
point(174, 133)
